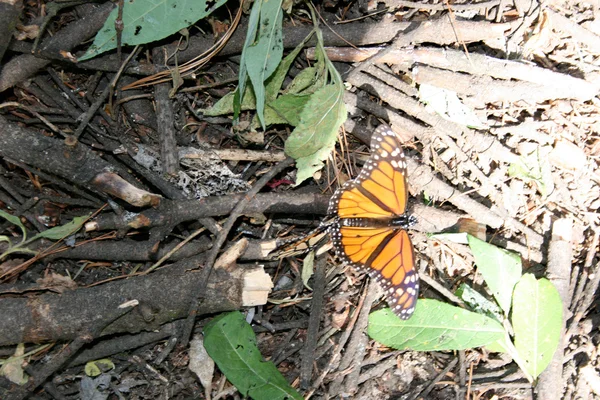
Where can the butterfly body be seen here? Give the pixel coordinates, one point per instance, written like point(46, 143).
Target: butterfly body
point(400, 221)
point(368, 223)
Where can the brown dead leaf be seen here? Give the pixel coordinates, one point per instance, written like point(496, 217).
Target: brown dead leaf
point(338, 320)
point(26, 32)
point(56, 282)
point(7, 266)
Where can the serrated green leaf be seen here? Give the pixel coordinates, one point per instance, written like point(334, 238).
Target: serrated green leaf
point(146, 21)
point(537, 322)
point(59, 232)
point(434, 326)
point(15, 221)
point(305, 79)
point(319, 123)
point(263, 57)
point(275, 81)
point(231, 343)
point(501, 270)
point(286, 108)
point(307, 166)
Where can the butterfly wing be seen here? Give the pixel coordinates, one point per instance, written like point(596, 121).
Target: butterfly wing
point(386, 254)
point(380, 189)
point(379, 192)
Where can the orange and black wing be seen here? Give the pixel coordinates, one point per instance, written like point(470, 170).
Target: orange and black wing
point(379, 191)
point(386, 254)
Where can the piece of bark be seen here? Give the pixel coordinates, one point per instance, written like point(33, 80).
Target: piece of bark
point(551, 383)
point(485, 89)
point(91, 19)
point(165, 118)
point(75, 163)
point(163, 296)
point(176, 212)
point(476, 65)
point(9, 16)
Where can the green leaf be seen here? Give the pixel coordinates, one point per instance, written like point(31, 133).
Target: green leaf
point(307, 166)
point(98, 367)
point(308, 268)
point(263, 57)
point(146, 21)
point(286, 108)
point(434, 326)
point(478, 303)
point(15, 221)
point(240, 93)
point(535, 167)
point(59, 232)
point(319, 123)
point(304, 80)
point(275, 81)
point(498, 346)
point(230, 341)
point(272, 115)
point(501, 270)
point(537, 322)
point(226, 105)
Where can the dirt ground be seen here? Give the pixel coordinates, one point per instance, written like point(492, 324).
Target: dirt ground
point(159, 185)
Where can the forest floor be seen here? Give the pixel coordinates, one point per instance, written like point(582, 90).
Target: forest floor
point(496, 104)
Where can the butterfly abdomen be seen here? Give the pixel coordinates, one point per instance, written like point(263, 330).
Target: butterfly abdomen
point(400, 222)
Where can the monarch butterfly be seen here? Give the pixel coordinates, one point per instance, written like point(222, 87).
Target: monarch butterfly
point(369, 221)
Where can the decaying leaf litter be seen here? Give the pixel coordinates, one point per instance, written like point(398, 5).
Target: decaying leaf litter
point(496, 104)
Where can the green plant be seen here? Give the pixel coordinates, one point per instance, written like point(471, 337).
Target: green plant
point(312, 102)
point(56, 233)
point(149, 21)
point(532, 306)
point(231, 343)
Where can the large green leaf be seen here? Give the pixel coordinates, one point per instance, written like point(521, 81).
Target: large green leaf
point(146, 21)
point(231, 343)
point(320, 121)
point(434, 326)
point(501, 270)
point(263, 57)
point(537, 322)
